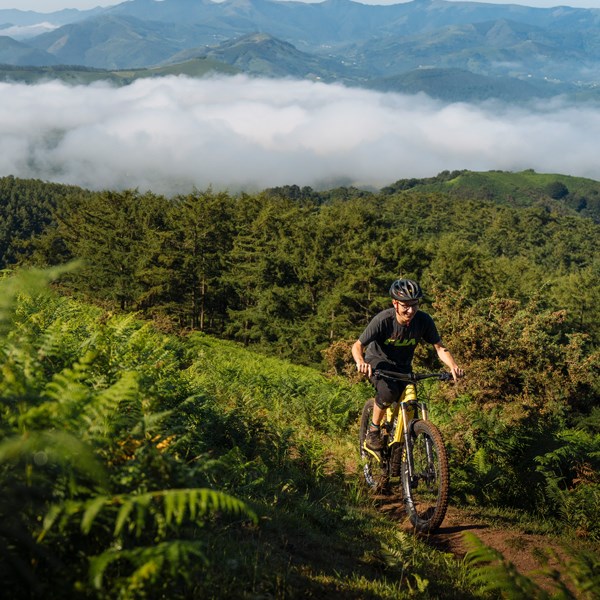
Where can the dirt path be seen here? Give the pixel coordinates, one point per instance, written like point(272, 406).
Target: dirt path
point(523, 550)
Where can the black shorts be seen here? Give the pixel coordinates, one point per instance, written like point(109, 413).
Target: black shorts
point(387, 391)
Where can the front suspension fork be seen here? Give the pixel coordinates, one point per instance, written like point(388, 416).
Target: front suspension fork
point(406, 434)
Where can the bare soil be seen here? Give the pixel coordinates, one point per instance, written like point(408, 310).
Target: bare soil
point(523, 550)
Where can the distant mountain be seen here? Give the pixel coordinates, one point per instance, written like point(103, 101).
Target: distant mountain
point(454, 85)
point(13, 52)
point(508, 49)
point(15, 16)
point(22, 25)
point(116, 42)
point(345, 21)
point(260, 54)
point(500, 48)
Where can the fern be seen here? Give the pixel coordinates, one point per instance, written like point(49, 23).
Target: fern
point(115, 409)
point(42, 448)
point(148, 562)
point(584, 570)
point(135, 515)
point(60, 401)
point(489, 570)
point(130, 512)
point(492, 572)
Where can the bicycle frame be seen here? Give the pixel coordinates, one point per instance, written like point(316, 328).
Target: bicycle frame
point(408, 408)
point(407, 403)
point(413, 450)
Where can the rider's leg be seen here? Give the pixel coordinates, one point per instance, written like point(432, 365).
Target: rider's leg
point(378, 413)
point(388, 391)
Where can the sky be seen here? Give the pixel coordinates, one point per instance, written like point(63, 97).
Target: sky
point(176, 134)
point(52, 5)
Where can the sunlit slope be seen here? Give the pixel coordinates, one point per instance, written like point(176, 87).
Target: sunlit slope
point(522, 188)
point(187, 465)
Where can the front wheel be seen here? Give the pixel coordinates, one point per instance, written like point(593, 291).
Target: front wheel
point(426, 490)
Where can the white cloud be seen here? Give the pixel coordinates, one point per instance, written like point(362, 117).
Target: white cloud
point(27, 31)
point(173, 134)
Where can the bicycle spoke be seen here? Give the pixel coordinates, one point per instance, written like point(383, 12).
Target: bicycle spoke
point(426, 491)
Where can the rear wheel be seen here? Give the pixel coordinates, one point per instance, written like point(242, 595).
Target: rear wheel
point(374, 471)
point(426, 491)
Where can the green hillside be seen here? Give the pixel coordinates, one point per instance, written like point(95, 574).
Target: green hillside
point(179, 406)
point(291, 271)
point(136, 464)
point(526, 188)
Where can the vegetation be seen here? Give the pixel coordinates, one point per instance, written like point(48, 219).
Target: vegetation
point(139, 465)
point(145, 455)
point(78, 75)
point(557, 193)
point(292, 270)
point(135, 464)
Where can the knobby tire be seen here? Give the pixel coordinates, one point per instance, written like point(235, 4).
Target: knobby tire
point(426, 495)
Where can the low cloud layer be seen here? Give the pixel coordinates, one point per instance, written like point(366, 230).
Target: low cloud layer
point(172, 135)
point(23, 32)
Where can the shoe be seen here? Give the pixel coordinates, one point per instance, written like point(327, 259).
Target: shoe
point(373, 440)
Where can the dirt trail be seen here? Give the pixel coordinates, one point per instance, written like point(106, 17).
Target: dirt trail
point(521, 549)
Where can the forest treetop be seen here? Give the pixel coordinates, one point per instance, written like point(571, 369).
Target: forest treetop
point(294, 270)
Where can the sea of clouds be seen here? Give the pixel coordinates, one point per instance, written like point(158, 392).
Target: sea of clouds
point(173, 135)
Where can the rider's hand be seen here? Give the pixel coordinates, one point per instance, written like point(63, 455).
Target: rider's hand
point(364, 367)
point(457, 373)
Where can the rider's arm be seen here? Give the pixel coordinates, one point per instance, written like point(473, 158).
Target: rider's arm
point(446, 357)
point(358, 353)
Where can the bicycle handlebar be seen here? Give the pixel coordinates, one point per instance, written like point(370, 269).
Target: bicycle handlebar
point(412, 376)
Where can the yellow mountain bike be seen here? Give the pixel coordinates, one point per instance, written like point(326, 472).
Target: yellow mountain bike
point(413, 451)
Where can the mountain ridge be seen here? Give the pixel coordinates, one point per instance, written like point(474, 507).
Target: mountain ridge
point(337, 40)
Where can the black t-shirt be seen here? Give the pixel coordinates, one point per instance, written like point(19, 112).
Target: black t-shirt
point(386, 341)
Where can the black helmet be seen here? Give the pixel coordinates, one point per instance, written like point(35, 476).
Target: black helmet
point(406, 290)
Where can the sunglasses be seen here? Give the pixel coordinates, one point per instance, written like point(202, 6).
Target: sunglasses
point(405, 308)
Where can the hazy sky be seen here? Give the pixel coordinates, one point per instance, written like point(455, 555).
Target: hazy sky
point(51, 5)
point(173, 134)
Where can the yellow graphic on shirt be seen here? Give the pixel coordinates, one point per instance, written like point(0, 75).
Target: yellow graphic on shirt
point(393, 342)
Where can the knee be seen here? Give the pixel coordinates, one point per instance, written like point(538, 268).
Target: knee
point(384, 400)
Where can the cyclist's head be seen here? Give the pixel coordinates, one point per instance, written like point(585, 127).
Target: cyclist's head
point(406, 290)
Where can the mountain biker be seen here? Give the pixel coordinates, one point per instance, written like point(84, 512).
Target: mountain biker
point(388, 342)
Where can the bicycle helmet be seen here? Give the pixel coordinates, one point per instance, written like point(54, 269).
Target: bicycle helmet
point(406, 290)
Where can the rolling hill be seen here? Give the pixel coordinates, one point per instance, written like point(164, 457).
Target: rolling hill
point(262, 55)
point(564, 193)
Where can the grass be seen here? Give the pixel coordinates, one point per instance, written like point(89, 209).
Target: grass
point(521, 189)
point(168, 414)
point(320, 532)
